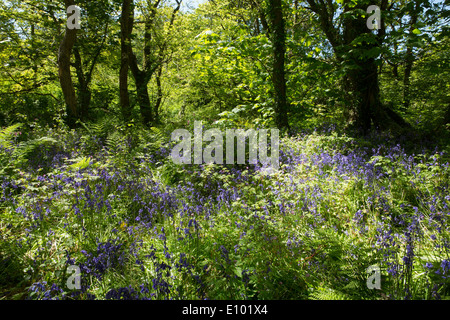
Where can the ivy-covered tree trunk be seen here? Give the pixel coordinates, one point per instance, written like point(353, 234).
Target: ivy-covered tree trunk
point(65, 77)
point(366, 95)
point(356, 47)
point(278, 72)
point(363, 74)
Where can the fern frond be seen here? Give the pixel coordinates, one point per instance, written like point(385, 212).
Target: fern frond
point(100, 128)
point(114, 141)
point(156, 130)
point(25, 148)
point(156, 138)
point(84, 126)
point(80, 163)
point(327, 294)
point(6, 135)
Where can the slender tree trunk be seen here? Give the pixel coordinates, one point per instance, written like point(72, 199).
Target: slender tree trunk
point(409, 58)
point(447, 115)
point(296, 12)
point(143, 98)
point(278, 72)
point(65, 77)
point(395, 65)
point(406, 79)
point(84, 93)
point(143, 76)
point(126, 29)
point(84, 78)
point(159, 93)
point(34, 56)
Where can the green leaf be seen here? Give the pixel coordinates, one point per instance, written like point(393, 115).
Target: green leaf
point(81, 163)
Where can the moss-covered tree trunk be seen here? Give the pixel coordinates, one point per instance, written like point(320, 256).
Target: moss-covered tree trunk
point(354, 46)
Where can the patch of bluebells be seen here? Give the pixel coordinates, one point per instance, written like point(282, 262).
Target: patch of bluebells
point(440, 272)
point(444, 270)
point(151, 202)
point(224, 254)
point(108, 255)
point(124, 293)
point(41, 291)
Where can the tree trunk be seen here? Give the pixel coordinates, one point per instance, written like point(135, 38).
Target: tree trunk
point(84, 78)
point(362, 75)
point(447, 115)
point(406, 79)
point(367, 95)
point(143, 76)
point(34, 58)
point(65, 77)
point(159, 93)
point(395, 65)
point(126, 29)
point(143, 98)
point(84, 94)
point(278, 72)
point(409, 58)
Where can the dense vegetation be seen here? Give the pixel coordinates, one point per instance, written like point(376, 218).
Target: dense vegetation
point(87, 179)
